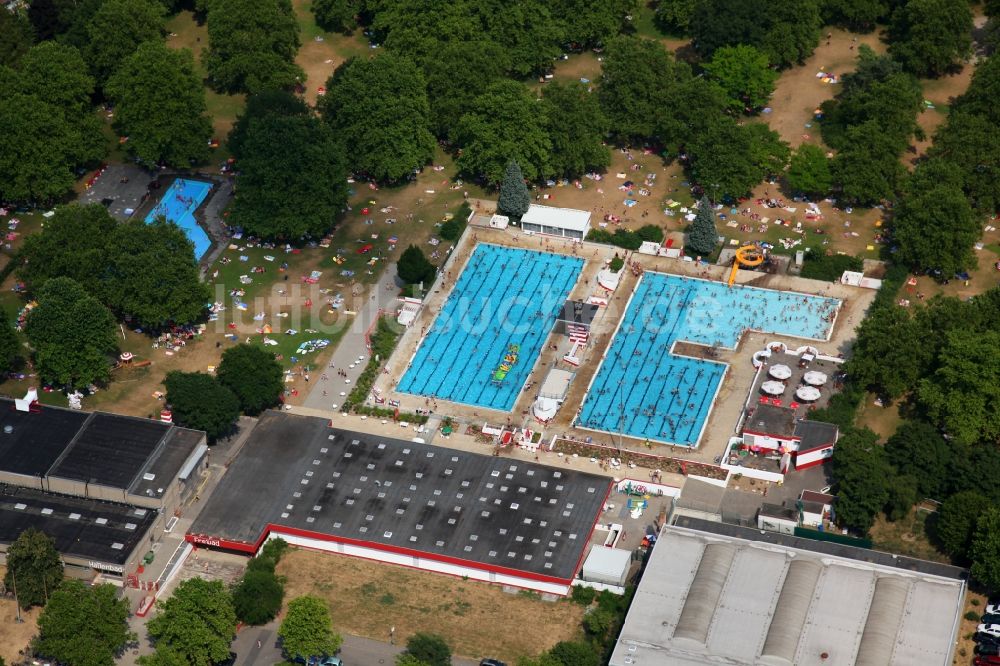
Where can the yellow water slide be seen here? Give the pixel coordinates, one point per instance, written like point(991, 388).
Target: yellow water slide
point(748, 256)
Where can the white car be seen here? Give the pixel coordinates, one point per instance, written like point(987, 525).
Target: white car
point(992, 609)
point(991, 629)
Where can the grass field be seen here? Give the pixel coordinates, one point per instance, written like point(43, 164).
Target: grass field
point(907, 536)
point(477, 619)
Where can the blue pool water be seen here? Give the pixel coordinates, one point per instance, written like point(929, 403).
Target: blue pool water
point(646, 392)
point(503, 297)
point(178, 205)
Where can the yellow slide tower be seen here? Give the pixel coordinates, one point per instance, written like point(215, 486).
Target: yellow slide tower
point(748, 256)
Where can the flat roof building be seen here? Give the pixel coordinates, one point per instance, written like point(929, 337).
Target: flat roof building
point(714, 593)
point(65, 463)
point(552, 221)
point(466, 514)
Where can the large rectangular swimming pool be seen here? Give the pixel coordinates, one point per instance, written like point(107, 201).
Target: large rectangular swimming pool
point(644, 391)
point(178, 205)
point(488, 334)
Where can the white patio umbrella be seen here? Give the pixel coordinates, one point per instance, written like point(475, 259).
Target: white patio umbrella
point(815, 378)
point(772, 387)
point(808, 393)
point(780, 371)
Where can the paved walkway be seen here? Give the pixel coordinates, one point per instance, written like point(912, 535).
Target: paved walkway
point(352, 349)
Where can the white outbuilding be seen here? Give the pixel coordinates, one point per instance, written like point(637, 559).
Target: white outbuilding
point(552, 221)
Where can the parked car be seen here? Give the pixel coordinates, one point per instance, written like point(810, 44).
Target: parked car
point(491, 662)
point(992, 608)
point(990, 618)
point(227, 662)
point(991, 629)
point(983, 637)
point(317, 660)
point(986, 661)
point(987, 649)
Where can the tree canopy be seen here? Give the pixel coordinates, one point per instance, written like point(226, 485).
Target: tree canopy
point(577, 128)
point(703, 236)
point(116, 29)
point(454, 77)
point(72, 334)
point(151, 276)
point(57, 74)
point(165, 122)
point(929, 37)
point(252, 45)
point(336, 15)
point(934, 225)
point(786, 31)
point(72, 245)
point(745, 74)
point(861, 471)
point(429, 649)
point(506, 123)
point(196, 623)
point(257, 597)
point(11, 352)
point(728, 160)
point(918, 449)
point(292, 179)
point(34, 568)
point(84, 626)
point(514, 198)
point(985, 549)
point(16, 36)
point(809, 170)
point(956, 522)
point(413, 267)
point(889, 354)
point(200, 402)
point(638, 77)
point(253, 375)
point(379, 109)
point(307, 630)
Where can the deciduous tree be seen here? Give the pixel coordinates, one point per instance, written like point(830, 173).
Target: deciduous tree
point(963, 394)
point(809, 171)
point(166, 122)
point(34, 568)
point(378, 108)
point(15, 37)
point(10, 346)
point(283, 155)
point(971, 142)
point(57, 74)
point(254, 375)
point(638, 77)
point(514, 198)
point(72, 245)
point(861, 471)
point(430, 649)
point(196, 622)
point(200, 402)
point(577, 128)
point(506, 122)
point(889, 354)
point(931, 36)
point(956, 522)
point(413, 267)
point(456, 75)
point(251, 45)
point(84, 626)
point(257, 597)
point(934, 225)
point(868, 170)
point(151, 276)
point(674, 16)
point(985, 549)
point(73, 335)
point(745, 74)
point(336, 15)
point(115, 31)
point(307, 630)
point(787, 32)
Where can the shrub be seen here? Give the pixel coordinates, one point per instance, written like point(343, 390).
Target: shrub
point(650, 232)
point(617, 263)
point(453, 228)
point(821, 266)
point(583, 595)
point(623, 238)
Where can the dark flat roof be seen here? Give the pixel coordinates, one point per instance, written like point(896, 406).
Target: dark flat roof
point(37, 439)
point(815, 434)
point(771, 420)
point(827, 547)
point(111, 450)
point(73, 523)
point(167, 462)
point(579, 312)
point(297, 472)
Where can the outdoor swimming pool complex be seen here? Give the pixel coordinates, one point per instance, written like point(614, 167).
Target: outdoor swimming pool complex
point(178, 205)
point(502, 307)
point(643, 391)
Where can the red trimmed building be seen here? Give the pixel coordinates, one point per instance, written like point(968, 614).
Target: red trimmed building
point(801, 443)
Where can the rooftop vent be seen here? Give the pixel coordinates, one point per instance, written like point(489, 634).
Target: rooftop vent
point(148, 476)
point(8, 429)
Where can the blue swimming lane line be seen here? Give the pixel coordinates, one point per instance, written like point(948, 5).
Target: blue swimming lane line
point(503, 297)
point(644, 391)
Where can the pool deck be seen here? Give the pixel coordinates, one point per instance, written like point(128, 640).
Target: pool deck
point(732, 393)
